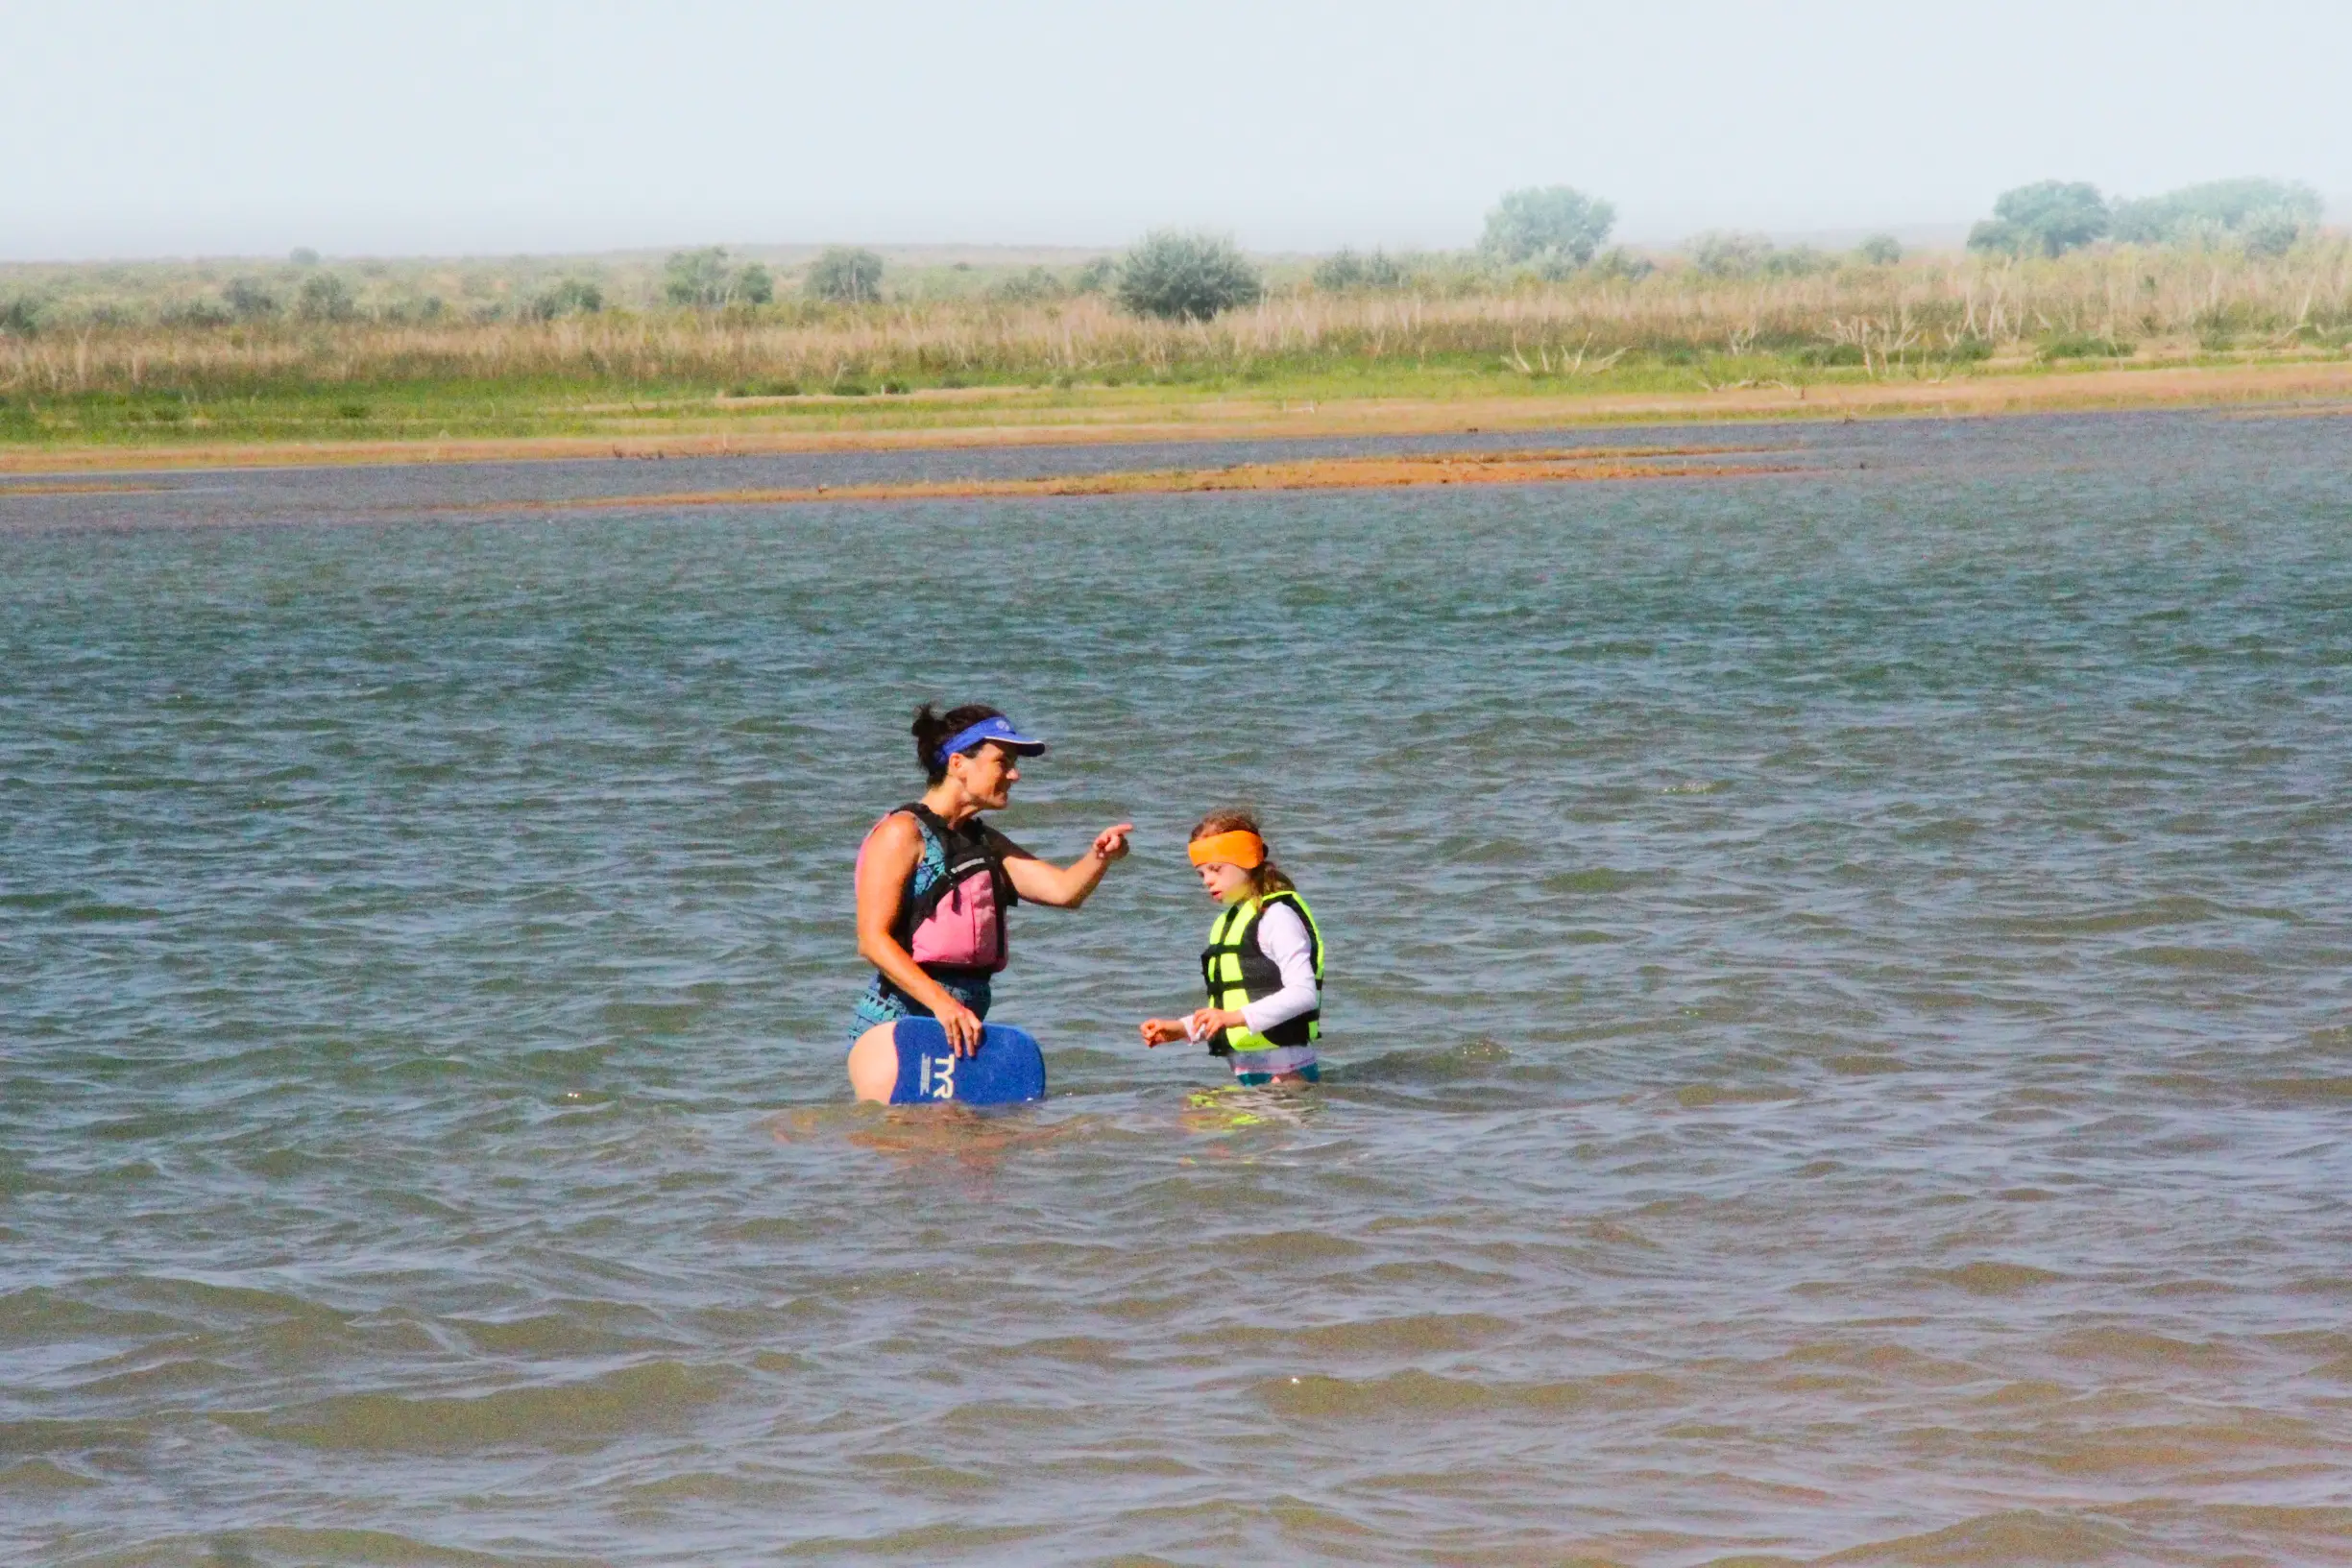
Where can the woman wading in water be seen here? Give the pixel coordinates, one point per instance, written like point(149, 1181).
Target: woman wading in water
point(934, 883)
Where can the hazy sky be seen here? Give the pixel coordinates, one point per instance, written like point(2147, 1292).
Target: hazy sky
point(442, 126)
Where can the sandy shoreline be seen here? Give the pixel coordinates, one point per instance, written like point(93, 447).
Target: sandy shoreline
point(2314, 387)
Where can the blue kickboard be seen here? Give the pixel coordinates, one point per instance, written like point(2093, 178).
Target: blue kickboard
point(1007, 1070)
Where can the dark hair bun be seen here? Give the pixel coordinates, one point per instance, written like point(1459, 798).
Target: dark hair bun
point(932, 729)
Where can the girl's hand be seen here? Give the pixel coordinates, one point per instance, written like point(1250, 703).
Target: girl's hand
point(1111, 844)
point(1164, 1031)
point(962, 1027)
point(1207, 1021)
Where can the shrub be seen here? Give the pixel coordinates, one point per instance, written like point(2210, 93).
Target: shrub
point(324, 297)
point(1831, 354)
point(2147, 220)
point(702, 281)
point(1721, 253)
point(2048, 219)
point(21, 318)
point(249, 300)
point(1554, 224)
point(1344, 269)
point(845, 276)
point(1179, 277)
point(2083, 345)
point(195, 313)
point(1619, 264)
point(1095, 276)
point(1797, 261)
point(1027, 288)
point(1338, 271)
point(696, 277)
point(303, 255)
point(1879, 250)
point(2273, 234)
point(1998, 238)
point(573, 297)
point(2235, 206)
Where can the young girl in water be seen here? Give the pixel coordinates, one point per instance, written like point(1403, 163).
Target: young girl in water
point(1264, 964)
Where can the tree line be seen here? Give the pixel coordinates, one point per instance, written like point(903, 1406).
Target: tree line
point(1549, 232)
point(2052, 217)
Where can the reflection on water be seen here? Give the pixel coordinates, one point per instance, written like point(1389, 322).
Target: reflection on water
point(1839, 1028)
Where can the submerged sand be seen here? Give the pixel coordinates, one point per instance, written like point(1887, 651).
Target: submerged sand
point(1382, 471)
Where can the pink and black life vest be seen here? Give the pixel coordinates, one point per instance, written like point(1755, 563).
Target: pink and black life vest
point(951, 912)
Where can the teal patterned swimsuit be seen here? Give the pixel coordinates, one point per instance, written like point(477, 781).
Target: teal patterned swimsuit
point(883, 1002)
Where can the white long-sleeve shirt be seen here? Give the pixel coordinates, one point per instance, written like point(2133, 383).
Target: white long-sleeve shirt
point(1282, 936)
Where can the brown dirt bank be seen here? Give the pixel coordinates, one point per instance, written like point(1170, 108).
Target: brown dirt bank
point(2320, 387)
point(1308, 473)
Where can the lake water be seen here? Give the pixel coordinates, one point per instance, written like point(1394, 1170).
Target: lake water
point(1838, 1026)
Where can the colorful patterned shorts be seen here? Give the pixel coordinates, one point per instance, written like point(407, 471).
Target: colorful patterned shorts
point(883, 1002)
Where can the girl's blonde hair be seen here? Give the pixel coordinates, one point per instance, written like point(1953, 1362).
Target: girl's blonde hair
point(1265, 876)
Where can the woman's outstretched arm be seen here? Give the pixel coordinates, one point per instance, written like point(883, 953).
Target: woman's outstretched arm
point(1064, 887)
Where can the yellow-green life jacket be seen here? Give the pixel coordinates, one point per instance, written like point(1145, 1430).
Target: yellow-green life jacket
point(1238, 974)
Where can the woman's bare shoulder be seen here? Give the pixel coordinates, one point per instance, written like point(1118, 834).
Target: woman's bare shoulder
point(897, 834)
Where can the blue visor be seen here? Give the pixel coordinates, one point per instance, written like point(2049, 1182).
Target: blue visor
point(999, 729)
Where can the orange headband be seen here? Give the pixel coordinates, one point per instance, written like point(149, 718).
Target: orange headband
point(1239, 848)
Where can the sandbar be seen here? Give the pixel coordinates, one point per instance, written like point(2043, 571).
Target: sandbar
point(2308, 387)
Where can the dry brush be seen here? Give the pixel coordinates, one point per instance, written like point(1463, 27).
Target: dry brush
point(1886, 317)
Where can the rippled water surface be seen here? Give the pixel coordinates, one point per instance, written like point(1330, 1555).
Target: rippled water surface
point(1838, 1016)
